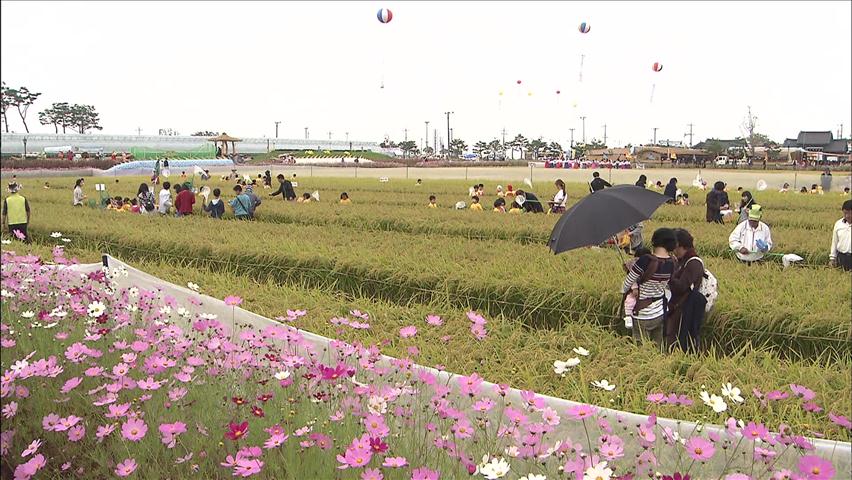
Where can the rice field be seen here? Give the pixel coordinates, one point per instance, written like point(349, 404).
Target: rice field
point(390, 255)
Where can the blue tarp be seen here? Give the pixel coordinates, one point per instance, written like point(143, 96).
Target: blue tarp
point(148, 165)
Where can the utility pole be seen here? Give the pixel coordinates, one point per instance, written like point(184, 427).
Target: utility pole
point(655, 135)
point(584, 129)
point(604, 126)
point(572, 136)
point(503, 132)
point(435, 140)
point(426, 141)
point(276, 129)
point(139, 130)
point(449, 135)
point(690, 134)
point(405, 135)
point(347, 137)
point(306, 133)
point(329, 135)
point(841, 131)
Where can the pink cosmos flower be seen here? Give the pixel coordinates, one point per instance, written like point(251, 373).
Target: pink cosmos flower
point(71, 384)
point(372, 474)
point(104, 430)
point(275, 441)
point(434, 320)
point(804, 393)
point(232, 300)
point(816, 468)
point(424, 473)
point(776, 395)
point(76, 433)
point(176, 394)
point(375, 426)
point(356, 457)
point(753, 431)
point(395, 462)
point(170, 431)
point(700, 449)
point(612, 450)
point(29, 469)
point(33, 448)
point(63, 424)
point(10, 410)
point(737, 476)
point(134, 429)
point(840, 420)
point(811, 407)
point(764, 454)
point(462, 428)
point(236, 431)
point(470, 385)
point(483, 405)
point(247, 467)
point(532, 400)
point(408, 332)
point(579, 412)
point(148, 384)
point(126, 467)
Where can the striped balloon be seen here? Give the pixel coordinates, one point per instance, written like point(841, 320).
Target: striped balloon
point(585, 27)
point(657, 66)
point(384, 15)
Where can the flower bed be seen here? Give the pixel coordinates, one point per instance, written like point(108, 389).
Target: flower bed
point(133, 377)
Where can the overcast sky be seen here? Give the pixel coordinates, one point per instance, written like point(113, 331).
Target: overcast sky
point(238, 67)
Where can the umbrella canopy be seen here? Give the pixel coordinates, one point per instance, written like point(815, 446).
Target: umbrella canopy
point(603, 214)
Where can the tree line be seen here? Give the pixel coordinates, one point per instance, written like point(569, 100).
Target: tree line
point(77, 118)
point(491, 150)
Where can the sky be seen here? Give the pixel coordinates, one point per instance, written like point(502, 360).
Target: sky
point(240, 67)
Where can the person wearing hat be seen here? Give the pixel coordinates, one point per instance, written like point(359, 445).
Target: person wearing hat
point(751, 240)
point(841, 240)
point(16, 213)
point(528, 202)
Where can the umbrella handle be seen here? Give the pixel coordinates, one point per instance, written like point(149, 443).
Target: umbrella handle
point(620, 255)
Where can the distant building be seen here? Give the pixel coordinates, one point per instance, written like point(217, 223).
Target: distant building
point(728, 145)
point(820, 147)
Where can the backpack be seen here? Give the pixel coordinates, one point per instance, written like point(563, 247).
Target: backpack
point(709, 286)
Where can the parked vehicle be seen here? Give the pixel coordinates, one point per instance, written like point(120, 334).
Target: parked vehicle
point(722, 160)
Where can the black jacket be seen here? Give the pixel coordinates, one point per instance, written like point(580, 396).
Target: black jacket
point(532, 203)
point(599, 184)
point(286, 189)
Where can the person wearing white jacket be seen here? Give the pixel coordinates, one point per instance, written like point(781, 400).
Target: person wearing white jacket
point(751, 240)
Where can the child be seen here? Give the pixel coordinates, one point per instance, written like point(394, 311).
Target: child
point(419, 182)
point(631, 296)
point(46, 186)
point(134, 206)
point(685, 199)
point(183, 174)
point(305, 198)
point(344, 199)
point(509, 192)
point(500, 193)
point(475, 205)
point(216, 207)
point(480, 190)
point(500, 205)
point(126, 206)
point(433, 202)
point(165, 199)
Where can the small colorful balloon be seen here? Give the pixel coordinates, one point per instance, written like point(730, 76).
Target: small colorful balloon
point(657, 66)
point(585, 27)
point(519, 82)
point(558, 92)
point(529, 94)
point(384, 15)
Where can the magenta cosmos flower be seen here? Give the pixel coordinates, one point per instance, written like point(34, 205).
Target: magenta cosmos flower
point(434, 320)
point(408, 332)
point(700, 449)
point(816, 468)
point(424, 473)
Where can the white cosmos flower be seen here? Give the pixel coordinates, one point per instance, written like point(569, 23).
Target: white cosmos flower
point(714, 401)
point(6, 294)
point(66, 240)
point(131, 308)
point(282, 375)
point(183, 312)
point(96, 309)
point(51, 325)
point(55, 234)
point(561, 367)
point(581, 351)
point(192, 286)
point(208, 316)
point(496, 468)
point(533, 476)
point(6, 242)
point(19, 365)
point(604, 384)
point(166, 310)
point(512, 451)
point(377, 405)
point(598, 472)
point(58, 312)
point(28, 314)
point(132, 291)
point(732, 393)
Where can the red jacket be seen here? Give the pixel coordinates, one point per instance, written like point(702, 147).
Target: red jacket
point(184, 202)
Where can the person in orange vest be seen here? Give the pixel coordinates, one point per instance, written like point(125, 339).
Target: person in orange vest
point(16, 213)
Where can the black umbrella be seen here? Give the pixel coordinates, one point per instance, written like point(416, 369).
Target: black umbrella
point(601, 215)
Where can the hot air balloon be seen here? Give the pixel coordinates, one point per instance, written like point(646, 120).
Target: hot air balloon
point(384, 15)
point(585, 27)
point(657, 66)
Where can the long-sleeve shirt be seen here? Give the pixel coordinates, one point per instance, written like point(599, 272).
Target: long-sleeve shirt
point(241, 205)
point(746, 236)
point(841, 238)
point(285, 188)
point(653, 287)
point(165, 201)
point(78, 196)
point(184, 202)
